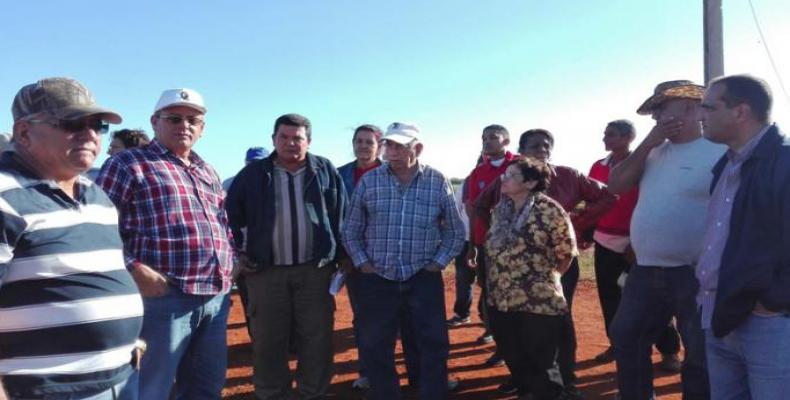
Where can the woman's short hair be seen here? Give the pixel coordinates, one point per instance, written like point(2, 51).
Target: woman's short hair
point(375, 130)
point(131, 138)
point(534, 170)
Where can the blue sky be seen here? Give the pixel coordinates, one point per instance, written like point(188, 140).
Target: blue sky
point(451, 67)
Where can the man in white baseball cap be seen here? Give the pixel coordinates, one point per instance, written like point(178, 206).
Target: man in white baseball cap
point(177, 247)
point(400, 266)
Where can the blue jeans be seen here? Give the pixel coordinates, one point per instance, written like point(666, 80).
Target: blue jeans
point(652, 295)
point(382, 307)
point(186, 337)
point(117, 392)
point(751, 362)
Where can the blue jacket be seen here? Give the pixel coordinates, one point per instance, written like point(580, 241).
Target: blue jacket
point(755, 264)
point(347, 174)
point(250, 204)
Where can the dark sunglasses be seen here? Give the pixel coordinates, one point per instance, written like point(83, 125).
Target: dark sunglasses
point(77, 125)
point(178, 119)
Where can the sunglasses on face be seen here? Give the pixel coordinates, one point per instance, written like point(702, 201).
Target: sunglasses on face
point(176, 119)
point(77, 125)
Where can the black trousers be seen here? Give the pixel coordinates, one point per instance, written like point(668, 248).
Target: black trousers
point(528, 343)
point(567, 334)
point(608, 267)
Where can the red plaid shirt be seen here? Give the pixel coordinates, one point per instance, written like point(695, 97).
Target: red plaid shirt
point(172, 217)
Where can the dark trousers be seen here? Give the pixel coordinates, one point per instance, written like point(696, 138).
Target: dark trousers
point(464, 279)
point(286, 301)
point(566, 356)
point(482, 280)
point(382, 306)
point(528, 343)
point(652, 295)
point(410, 355)
point(609, 265)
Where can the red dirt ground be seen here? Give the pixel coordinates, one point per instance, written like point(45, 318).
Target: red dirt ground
point(466, 356)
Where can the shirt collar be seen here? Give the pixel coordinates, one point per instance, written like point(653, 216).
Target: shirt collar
point(747, 149)
point(160, 149)
point(10, 157)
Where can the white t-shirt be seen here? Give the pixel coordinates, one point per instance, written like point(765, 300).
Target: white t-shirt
point(669, 218)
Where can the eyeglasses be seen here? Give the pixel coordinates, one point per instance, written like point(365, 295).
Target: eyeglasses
point(176, 119)
point(508, 175)
point(77, 125)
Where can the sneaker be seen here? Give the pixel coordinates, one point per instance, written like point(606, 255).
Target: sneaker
point(507, 388)
point(606, 357)
point(458, 321)
point(486, 338)
point(452, 384)
point(362, 383)
point(494, 361)
point(670, 363)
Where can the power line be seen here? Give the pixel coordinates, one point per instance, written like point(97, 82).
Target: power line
point(768, 52)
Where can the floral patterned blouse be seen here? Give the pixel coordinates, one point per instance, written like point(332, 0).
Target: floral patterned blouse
point(523, 249)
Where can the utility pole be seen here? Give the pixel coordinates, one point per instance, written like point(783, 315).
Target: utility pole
point(714, 39)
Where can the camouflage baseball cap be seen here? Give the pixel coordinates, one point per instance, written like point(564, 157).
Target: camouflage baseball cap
point(63, 98)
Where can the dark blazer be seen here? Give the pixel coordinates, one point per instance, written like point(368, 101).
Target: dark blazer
point(250, 204)
point(755, 265)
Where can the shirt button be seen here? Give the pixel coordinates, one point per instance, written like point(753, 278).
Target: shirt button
point(718, 224)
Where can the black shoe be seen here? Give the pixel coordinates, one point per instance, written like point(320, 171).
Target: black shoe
point(458, 321)
point(507, 388)
point(494, 361)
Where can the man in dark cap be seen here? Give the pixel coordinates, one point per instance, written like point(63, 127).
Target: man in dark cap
point(70, 313)
point(672, 168)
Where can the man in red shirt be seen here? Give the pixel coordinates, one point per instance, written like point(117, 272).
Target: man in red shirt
point(496, 158)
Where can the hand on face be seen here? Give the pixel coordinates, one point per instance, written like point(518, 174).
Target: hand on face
point(663, 130)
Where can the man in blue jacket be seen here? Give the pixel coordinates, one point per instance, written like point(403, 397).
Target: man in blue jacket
point(744, 270)
point(286, 211)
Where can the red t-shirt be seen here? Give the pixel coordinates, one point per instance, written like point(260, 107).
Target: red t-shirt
point(617, 221)
point(358, 172)
point(478, 180)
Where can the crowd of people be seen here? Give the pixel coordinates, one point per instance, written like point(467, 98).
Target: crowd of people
point(118, 286)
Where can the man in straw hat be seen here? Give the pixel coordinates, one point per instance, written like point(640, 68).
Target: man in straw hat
point(744, 271)
point(70, 313)
point(672, 169)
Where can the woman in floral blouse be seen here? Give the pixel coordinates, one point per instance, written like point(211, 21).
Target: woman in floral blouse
point(530, 244)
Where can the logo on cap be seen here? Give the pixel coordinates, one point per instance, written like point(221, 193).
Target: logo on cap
point(184, 95)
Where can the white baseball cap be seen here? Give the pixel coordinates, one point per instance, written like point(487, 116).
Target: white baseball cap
point(180, 97)
point(402, 133)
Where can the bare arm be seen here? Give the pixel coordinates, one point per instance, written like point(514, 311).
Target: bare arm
point(628, 173)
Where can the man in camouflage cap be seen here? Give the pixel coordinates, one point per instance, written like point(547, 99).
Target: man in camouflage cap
point(70, 313)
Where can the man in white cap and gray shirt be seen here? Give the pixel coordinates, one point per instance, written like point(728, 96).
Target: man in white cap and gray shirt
point(177, 247)
point(402, 230)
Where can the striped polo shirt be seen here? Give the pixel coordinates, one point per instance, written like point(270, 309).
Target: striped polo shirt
point(69, 310)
